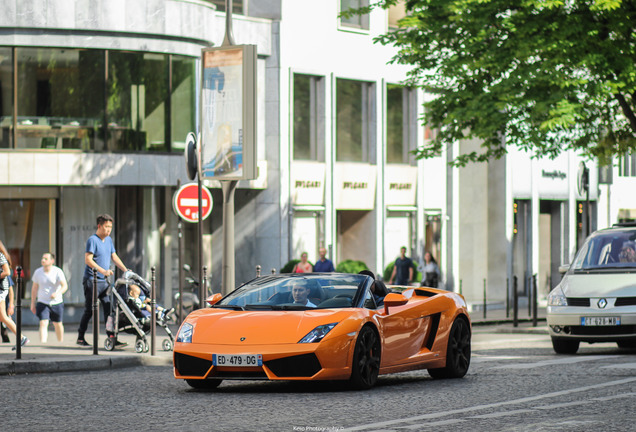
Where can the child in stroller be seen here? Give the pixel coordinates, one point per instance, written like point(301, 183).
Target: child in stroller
point(142, 303)
point(131, 314)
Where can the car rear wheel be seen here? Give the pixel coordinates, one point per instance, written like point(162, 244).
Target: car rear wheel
point(564, 345)
point(457, 353)
point(204, 383)
point(366, 360)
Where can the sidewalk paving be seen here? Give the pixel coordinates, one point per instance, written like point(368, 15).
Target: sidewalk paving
point(66, 356)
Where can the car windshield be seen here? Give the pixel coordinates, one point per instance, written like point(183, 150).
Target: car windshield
point(611, 249)
point(298, 292)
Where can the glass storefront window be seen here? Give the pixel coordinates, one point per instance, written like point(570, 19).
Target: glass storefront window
point(137, 95)
point(394, 124)
point(6, 96)
point(60, 98)
point(183, 100)
point(308, 117)
point(64, 100)
point(355, 122)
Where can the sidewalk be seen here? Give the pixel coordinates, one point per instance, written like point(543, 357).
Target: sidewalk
point(66, 356)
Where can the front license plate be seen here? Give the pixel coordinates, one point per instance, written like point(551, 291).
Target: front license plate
point(240, 360)
point(600, 321)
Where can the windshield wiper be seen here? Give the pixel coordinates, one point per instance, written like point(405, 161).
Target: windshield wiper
point(228, 306)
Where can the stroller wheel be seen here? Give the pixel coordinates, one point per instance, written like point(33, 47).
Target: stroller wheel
point(109, 343)
point(146, 346)
point(166, 344)
point(139, 345)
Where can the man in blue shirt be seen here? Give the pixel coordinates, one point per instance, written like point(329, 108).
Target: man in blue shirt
point(323, 265)
point(100, 250)
point(403, 269)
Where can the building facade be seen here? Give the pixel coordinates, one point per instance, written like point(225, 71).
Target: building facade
point(96, 99)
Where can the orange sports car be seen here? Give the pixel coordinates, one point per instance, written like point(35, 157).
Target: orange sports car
point(323, 326)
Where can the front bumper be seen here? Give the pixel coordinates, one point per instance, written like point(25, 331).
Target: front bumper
point(326, 360)
point(566, 322)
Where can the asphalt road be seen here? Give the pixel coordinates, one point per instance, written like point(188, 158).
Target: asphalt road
point(515, 383)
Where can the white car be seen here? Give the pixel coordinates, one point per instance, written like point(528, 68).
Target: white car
point(596, 299)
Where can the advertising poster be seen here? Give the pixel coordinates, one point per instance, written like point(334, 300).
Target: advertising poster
point(222, 113)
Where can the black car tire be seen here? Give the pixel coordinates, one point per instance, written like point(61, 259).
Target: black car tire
point(626, 344)
point(565, 345)
point(366, 360)
point(204, 384)
point(457, 353)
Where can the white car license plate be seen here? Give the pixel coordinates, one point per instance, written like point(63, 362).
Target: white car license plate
point(600, 321)
point(237, 360)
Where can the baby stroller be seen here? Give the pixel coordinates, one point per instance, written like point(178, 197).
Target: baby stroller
point(129, 317)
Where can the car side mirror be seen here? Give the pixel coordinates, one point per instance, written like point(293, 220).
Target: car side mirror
point(393, 300)
point(563, 269)
point(214, 299)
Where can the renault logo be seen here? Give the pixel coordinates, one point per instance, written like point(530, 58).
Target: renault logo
point(602, 303)
point(242, 339)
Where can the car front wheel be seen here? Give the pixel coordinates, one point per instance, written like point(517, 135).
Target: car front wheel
point(366, 360)
point(565, 345)
point(204, 383)
point(457, 353)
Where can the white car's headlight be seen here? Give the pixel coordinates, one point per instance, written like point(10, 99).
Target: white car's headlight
point(185, 333)
point(317, 334)
point(557, 298)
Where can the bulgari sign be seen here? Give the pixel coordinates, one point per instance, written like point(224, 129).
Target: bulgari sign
point(399, 185)
point(308, 183)
point(354, 186)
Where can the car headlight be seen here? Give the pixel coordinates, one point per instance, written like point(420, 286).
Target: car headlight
point(557, 298)
point(317, 334)
point(185, 333)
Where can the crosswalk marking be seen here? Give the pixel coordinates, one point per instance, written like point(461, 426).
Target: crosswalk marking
point(559, 361)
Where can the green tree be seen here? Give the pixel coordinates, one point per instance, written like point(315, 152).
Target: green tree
point(542, 75)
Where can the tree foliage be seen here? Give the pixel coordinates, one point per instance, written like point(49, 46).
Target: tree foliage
point(542, 75)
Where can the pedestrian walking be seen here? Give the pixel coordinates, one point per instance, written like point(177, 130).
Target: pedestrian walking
point(402, 270)
point(6, 294)
point(49, 285)
point(323, 265)
point(303, 266)
point(100, 250)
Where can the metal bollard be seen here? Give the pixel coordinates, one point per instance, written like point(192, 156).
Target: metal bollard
point(507, 297)
point(273, 271)
point(515, 303)
point(485, 302)
point(153, 312)
point(204, 283)
point(535, 300)
point(258, 270)
point(18, 304)
point(95, 313)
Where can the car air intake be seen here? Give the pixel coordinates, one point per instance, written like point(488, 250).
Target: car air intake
point(575, 301)
point(625, 301)
point(191, 366)
point(304, 365)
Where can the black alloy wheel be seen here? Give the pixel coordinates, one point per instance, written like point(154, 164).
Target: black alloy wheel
point(366, 360)
point(457, 353)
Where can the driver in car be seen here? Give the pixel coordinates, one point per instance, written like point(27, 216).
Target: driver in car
point(300, 294)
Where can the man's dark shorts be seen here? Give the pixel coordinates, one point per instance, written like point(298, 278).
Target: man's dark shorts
point(53, 312)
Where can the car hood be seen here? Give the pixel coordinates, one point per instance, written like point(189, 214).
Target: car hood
point(221, 326)
point(599, 285)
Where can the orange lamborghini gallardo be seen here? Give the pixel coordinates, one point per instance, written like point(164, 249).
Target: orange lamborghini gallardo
point(323, 326)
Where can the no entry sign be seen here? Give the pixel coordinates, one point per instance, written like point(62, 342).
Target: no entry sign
point(186, 202)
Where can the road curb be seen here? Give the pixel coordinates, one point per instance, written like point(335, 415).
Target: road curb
point(33, 366)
